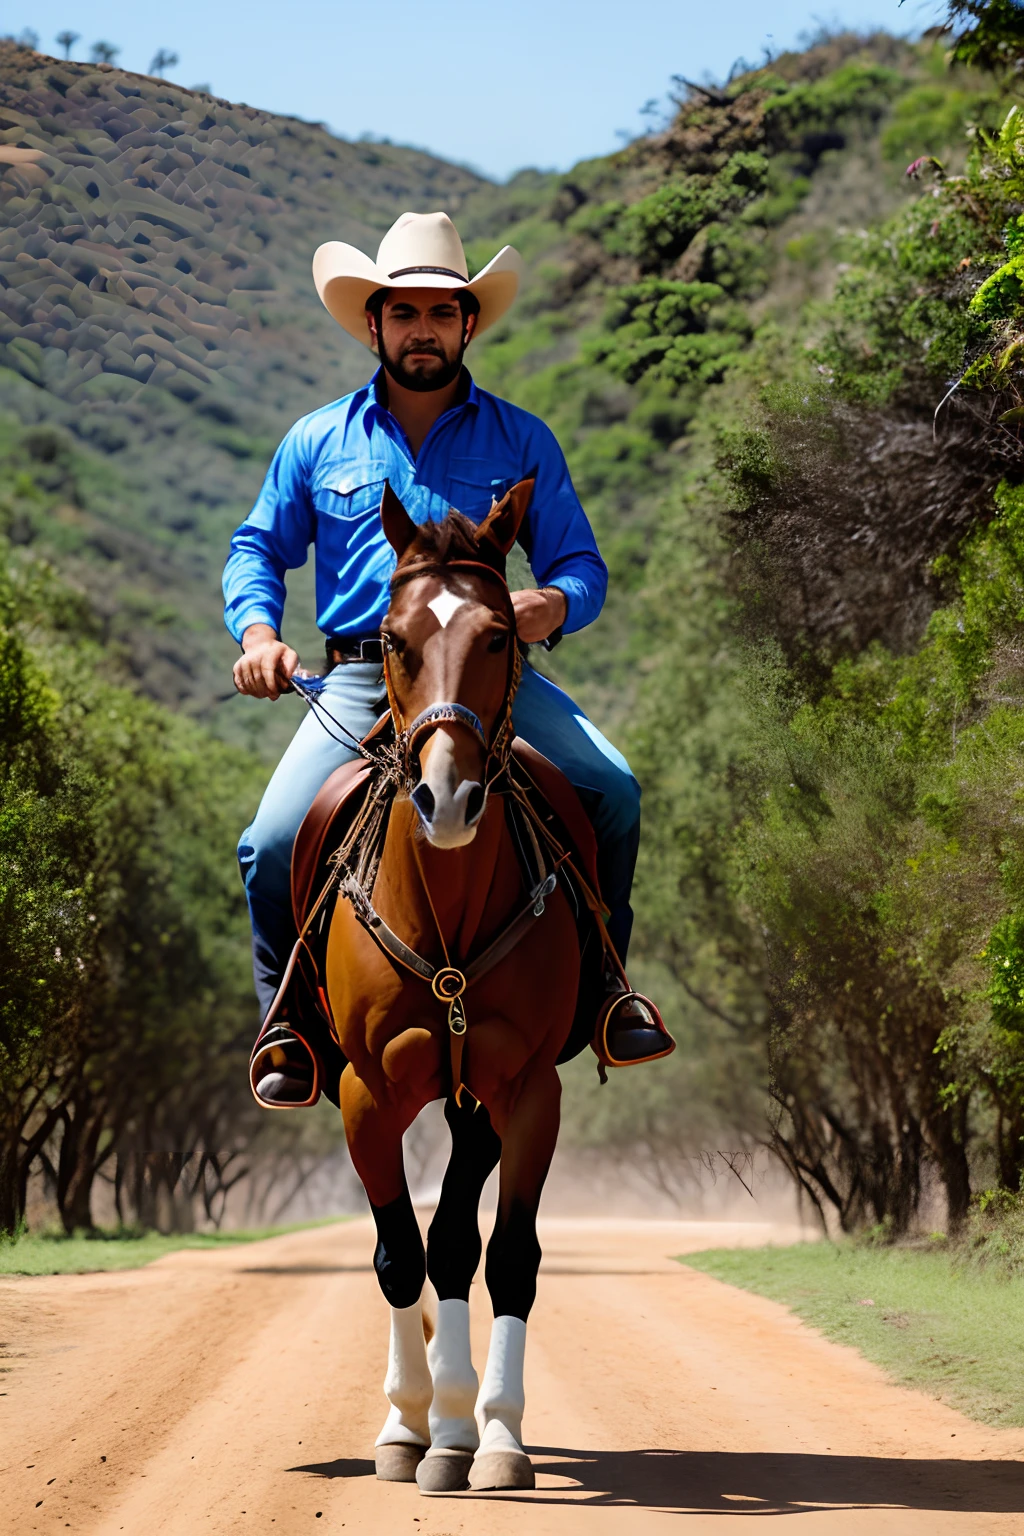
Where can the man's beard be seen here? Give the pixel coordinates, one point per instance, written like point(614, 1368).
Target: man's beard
point(421, 383)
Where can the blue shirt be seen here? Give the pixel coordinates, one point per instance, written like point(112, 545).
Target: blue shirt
point(324, 488)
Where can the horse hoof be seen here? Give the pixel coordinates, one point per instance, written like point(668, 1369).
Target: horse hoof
point(397, 1463)
point(444, 1471)
point(502, 1469)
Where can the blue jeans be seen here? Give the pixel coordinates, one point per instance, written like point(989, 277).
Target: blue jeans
point(354, 693)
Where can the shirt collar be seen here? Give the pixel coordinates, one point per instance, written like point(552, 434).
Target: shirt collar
point(376, 392)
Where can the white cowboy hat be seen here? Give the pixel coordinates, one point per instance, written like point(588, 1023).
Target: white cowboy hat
point(420, 250)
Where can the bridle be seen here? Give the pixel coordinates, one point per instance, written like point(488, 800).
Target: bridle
point(499, 745)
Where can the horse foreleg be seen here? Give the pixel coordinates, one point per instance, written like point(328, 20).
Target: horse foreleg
point(453, 1253)
point(529, 1132)
point(375, 1143)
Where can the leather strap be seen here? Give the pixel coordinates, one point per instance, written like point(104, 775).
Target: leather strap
point(379, 931)
point(398, 950)
point(509, 937)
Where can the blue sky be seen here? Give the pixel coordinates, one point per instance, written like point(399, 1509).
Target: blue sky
point(495, 84)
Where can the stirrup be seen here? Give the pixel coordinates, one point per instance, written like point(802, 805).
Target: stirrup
point(284, 1071)
point(638, 1017)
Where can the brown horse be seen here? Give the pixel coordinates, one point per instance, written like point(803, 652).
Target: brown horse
point(449, 884)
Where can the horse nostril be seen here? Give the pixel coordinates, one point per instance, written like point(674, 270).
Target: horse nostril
point(474, 803)
point(423, 799)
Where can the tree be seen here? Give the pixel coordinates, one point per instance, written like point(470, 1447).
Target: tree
point(104, 53)
point(162, 59)
point(989, 35)
point(67, 41)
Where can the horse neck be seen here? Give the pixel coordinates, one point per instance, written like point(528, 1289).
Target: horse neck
point(470, 888)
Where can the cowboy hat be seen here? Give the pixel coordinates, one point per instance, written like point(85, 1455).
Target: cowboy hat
point(420, 250)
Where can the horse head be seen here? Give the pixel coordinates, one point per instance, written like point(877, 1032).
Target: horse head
point(451, 658)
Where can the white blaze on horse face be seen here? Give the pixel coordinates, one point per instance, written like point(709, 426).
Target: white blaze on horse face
point(443, 606)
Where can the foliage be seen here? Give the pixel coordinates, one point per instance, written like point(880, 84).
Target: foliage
point(993, 37)
point(124, 995)
point(674, 332)
point(659, 227)
point(872, 858)
point(994, 1238)
point(939, 290)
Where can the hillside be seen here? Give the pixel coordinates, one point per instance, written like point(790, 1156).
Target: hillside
point(156, 308)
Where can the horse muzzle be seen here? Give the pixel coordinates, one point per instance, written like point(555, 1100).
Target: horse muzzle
point(449, 799)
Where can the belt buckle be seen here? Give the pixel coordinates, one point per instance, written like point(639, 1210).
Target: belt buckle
point(371, 641)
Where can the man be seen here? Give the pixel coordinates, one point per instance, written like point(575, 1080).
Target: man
point(422, 424)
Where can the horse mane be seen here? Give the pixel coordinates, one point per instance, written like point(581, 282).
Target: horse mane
point(453, 538)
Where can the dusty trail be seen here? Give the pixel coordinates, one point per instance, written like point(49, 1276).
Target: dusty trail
point(241, 1391)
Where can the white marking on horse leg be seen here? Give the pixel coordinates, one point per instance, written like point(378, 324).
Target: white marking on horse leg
point(452, 1425)
point(407, 1385)
point(499, 1409)
point(443, 606)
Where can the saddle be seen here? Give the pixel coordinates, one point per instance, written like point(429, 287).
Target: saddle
point(555, 843)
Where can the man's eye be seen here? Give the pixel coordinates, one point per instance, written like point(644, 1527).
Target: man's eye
point(498, 642)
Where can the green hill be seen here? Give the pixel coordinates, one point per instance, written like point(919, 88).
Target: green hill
point(156, 309)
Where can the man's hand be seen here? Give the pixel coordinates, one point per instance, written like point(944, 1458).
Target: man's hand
point(265, 665)
point(538, 614)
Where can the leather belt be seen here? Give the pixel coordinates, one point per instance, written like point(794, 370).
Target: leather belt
point(349, 648)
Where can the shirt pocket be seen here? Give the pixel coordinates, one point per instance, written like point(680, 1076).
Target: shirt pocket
point(350, 492)
point(476, 484)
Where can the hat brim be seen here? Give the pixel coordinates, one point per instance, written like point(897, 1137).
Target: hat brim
point(345, 279)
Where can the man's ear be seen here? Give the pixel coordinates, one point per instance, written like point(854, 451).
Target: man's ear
point(399, 528)
point(371, 327)
point(501, 525)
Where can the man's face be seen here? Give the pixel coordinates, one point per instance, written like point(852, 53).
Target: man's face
point(422, 337)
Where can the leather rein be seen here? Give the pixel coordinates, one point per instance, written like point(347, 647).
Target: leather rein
point(448, 982)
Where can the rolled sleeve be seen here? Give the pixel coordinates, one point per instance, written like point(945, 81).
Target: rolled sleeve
point(273, 540)
point(559, 540)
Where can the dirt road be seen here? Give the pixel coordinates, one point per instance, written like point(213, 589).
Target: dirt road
point(240, 1391)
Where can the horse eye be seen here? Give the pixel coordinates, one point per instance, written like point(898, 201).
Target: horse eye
point(498, 642)
point(393, 642)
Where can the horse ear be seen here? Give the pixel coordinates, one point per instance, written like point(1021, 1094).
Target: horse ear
point(399, 528)
point(501, 525)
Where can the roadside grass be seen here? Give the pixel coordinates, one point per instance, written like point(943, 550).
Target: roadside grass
point(956, 1333)
point(53, 1253)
